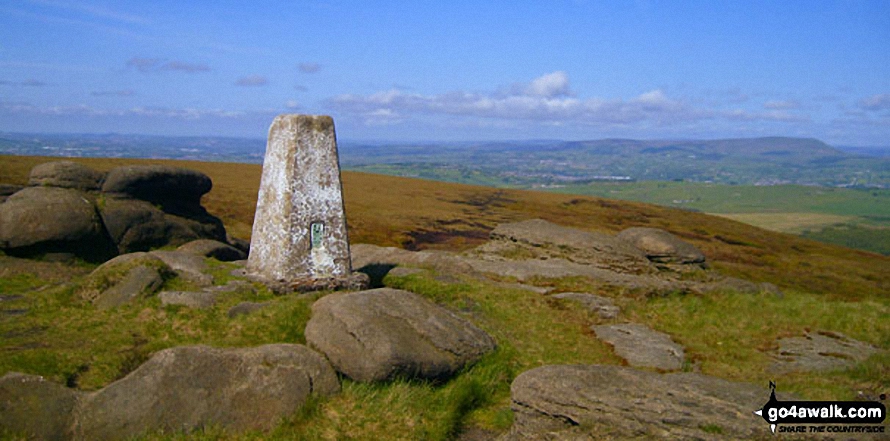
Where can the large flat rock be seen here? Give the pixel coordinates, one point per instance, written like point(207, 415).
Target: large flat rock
point(385, 333)
point(613, 402)
point(641, 346)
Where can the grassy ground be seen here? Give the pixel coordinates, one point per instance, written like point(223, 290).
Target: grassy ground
point(46, 330)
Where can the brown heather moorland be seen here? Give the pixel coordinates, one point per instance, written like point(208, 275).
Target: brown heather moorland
point(419, 214)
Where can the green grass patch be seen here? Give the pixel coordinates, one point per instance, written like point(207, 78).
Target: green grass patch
point(731, 335)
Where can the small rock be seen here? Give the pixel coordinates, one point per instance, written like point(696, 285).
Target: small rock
point(139, 281)
point(213, 248)
point(124, 279)
point(187, 266)
point(65, 174)
point(641, 346)
point(385, 333)
point(661, 246)
point(33, 406)
point(191, 299)
point(599, 305)
point(245, 308)
point(820, 351)
point(241, 244)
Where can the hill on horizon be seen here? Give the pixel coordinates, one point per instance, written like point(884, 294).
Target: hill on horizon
point(767, 160)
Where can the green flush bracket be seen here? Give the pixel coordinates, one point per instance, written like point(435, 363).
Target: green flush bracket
point(316, 234)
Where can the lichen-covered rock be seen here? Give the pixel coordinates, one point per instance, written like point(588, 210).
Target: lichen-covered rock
point(137, 225)
point(642, 346)
point(820, 351)
point(65, 174)
point(213, 248)
point(386, 333)
point(191, 387)
point(188, 266)
point(158, 183)
point(191, 299)
point(39, 220)
point(36, 408)
point(613, 402)
point(661, 246)
point(540, 238)
point(124, 279)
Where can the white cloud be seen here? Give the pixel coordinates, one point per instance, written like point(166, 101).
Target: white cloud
point(782, 105)
point(292, 104)
point(546, 99)
point(550, 85)
point(876, 102)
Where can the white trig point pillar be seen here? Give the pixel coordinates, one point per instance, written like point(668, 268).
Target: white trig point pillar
point(299, 240)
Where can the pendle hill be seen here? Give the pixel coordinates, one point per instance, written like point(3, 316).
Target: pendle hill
point(791, 185)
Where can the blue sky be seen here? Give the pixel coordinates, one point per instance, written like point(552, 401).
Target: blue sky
point(456, 70)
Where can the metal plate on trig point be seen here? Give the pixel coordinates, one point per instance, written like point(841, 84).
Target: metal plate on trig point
point(316, 234)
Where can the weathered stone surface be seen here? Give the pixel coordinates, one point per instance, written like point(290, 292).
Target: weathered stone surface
point(137, 225)
point(39, 220)
point(188, 266)
point(601, 306)
point(641, 346)
point(7, 190)
point(661, 246)
point(196, 386)
point(612, 402)
point(385, 333)
point(65, 174)
point(542, 238)
point(299, 230)
point(246, 308)
point(820, 351)
point(366, 255)
point(158, 183)
point(191, 299)
point(213, 248)
point(35, 407)
point(124, 279)
point(138, 282)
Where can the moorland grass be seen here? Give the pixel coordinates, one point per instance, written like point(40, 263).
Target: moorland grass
point(726, 334)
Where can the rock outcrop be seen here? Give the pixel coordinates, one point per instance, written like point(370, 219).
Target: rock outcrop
point(41, 220)
point(383, 334)
point(124, 279)
point(69, 208)
point(662, 247)
point(612, 402)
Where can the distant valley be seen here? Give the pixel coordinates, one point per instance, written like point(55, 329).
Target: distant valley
point(754, 161)
point(772, 183)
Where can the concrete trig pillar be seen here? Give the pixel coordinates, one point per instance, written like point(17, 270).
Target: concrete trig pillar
point(299, 240)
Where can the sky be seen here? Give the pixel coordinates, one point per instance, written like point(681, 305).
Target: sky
point(411, 71)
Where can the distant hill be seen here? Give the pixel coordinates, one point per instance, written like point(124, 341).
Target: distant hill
point(759, 161)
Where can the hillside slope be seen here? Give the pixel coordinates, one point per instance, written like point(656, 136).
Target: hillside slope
point(419, 214)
